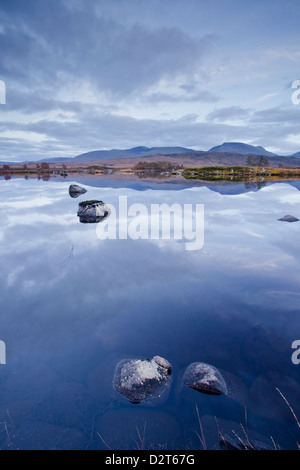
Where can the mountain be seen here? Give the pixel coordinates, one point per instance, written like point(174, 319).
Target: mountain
point(97, 155)
point(243, 149)
point(227, 153)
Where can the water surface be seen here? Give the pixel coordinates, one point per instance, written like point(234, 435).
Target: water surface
point(73, 306)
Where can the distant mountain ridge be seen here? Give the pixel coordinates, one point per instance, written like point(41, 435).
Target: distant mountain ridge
point(243, 149)
point(228, 149)
point(141, 151)
point(127, 153)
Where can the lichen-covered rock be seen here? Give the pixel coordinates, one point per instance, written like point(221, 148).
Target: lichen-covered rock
point(289, 218)
point(205, 378)
point(75, 190)
point(142, 380)
point(93, 211)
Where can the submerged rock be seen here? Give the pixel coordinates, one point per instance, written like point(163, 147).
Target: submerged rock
point(75, 190)
point(204, 378)
point(142, 380)
point(90, 212)
point(289, 218)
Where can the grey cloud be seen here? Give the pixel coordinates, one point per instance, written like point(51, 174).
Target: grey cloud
point(34, 102)
point(122, 131)
point(200, 96)
point(290, 115)
point(230, 112)
point(58, 44)
point(94, 130)
point(49, 47)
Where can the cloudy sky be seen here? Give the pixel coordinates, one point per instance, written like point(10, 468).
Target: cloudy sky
point(84, 75)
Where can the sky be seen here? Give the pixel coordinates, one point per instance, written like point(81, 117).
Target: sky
point(83, 75)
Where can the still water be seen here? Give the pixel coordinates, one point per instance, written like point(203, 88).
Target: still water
point(73, 306)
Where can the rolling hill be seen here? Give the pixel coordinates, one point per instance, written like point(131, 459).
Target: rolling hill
point(242, 149)
point(128, 153)
point(233, 148)
point(227, 153)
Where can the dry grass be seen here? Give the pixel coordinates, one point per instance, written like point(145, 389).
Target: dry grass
point(245, 443)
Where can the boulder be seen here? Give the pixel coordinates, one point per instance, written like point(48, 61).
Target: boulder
point(205, 378)
point(142, 380)
point(289, 218)
point(75, 190)
point(93, 211)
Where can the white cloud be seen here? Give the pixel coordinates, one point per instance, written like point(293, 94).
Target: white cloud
point(266, 97)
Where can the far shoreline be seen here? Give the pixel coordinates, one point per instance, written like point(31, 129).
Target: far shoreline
point(184, 169)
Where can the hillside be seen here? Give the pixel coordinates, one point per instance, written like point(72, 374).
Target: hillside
point(243, 149)
point(141, 151)
point(228, 148)
point(229, 153)
point(188, 160)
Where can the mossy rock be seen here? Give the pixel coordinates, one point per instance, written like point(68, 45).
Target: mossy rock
point(90, 203)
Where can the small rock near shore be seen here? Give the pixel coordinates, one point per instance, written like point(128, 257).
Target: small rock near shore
point(75, 190)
